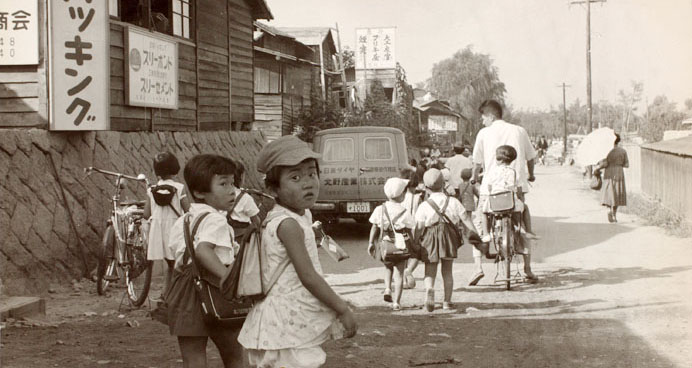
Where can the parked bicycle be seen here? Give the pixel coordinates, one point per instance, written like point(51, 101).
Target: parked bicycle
point(123, 254)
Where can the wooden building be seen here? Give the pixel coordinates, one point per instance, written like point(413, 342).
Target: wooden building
point(284, 74)
point(321, 41)
point(213, 76)
point(445, 126)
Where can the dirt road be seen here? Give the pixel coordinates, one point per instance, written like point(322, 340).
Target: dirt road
point(615, 295)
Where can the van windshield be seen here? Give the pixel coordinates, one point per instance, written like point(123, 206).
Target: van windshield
point(377, 149)
point(338, 149)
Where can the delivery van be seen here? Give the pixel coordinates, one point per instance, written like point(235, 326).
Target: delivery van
point(355, 164)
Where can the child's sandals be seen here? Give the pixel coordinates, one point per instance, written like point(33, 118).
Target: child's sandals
point(396, 307)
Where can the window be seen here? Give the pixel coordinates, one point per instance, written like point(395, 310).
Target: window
point(338, 149)
point(181, 18)
point(377, 149)
point(173, 17)
point(267, 78)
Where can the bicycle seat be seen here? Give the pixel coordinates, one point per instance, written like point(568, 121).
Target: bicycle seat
point(133, 203)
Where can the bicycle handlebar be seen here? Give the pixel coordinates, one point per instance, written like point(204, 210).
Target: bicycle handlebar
point(89, 169)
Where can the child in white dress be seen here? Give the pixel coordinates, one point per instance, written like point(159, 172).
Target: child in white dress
point(162, 218)
point(244, 210)
point(301, 311)
point(395, 191)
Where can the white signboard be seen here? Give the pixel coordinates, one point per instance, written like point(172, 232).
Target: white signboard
point(18, 32)
point(79, 65)
point(442, 123)
point(375, 48)
point(151, 70)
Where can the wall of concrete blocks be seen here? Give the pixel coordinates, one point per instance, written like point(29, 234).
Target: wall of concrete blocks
point(52, 215)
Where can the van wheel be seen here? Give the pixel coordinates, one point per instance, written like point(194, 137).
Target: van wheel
point(362, 220)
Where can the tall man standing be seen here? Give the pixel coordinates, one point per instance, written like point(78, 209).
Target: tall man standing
point(456, 164)
point(497, 132)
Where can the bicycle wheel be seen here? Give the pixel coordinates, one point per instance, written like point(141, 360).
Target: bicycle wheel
point(107, 269)
point(139, 269)
point(507, 248)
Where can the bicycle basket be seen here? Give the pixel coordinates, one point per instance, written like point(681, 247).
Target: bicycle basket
point(503, 201)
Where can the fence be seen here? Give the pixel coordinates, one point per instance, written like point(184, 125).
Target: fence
point(666, 174)
point(633, 174)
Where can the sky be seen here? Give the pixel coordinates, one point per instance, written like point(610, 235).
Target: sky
point(536, 44)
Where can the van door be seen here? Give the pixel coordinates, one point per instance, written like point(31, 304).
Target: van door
point(339, 167)
point(377, 162)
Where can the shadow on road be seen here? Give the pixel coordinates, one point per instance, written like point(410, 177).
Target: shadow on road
point(572, 278)
point(440, 340)
point(559, 236)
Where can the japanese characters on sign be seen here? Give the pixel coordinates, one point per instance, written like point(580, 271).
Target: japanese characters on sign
point(442, 123)
point(18, 32)
point(152, 70)
point(79, 65)
point(375, 48)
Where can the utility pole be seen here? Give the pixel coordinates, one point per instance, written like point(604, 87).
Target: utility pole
point(344, 87)
point(588, 58)
point(564, 120)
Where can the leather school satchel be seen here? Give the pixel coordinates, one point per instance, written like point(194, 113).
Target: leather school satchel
point(449, 225)
point(216, 309)
point(388, 248)
point(163, 196)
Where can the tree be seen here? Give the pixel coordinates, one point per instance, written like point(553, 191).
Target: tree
point(628, 100)
point(348, 57)
point(688, 104)
point(663, 116)
point(320, 114)
point(466, 80)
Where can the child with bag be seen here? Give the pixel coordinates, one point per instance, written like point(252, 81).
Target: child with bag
point(301, 311)
point(244, 210)
point(209, 179)
point(393, 224)
point(415, 193)
point(166, 202)
point(437, 221)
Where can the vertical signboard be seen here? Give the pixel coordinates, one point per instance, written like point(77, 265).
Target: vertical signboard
point(375, 48)
point(79, 64)
point(18, 32)
point(151, 70)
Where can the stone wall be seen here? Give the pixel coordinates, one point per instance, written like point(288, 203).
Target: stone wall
point(52, 215)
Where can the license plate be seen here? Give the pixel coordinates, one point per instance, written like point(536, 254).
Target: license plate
point(358, 207)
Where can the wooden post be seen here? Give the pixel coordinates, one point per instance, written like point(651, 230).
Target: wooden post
point(344, 87)
point(324, 86)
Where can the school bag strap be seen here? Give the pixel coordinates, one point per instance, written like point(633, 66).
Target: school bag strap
point(189, 238)
point(235, 203)
point(440, 212)
point(284, 263)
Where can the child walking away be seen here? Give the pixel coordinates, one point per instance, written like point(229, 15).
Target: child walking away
point(415, 191)
point(468, 194)
point(209, 179)
point(244, 210)
point(393, 222)
point(301, 311)
point(436, 225)
point(167, 201)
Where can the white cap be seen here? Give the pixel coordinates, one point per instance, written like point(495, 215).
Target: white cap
point(394, 187)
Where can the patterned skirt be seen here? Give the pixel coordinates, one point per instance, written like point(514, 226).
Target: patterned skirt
point(437, 243)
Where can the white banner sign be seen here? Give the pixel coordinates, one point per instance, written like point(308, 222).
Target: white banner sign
point(18, 32)
point(375, 48)
point(152, 70)
point(79, 65)
point(442, 123)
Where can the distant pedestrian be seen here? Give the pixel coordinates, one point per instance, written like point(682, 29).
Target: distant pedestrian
point(613, 192)
point(456, 164)
point(173, 203)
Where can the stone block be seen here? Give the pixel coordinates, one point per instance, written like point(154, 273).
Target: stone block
point(21, 306)
point(4, 222)
point(15, 252)
point(58, 140)
point(23, 141)
point(40, 139)
point(43, 221)
point(136, 139)
point(5, 160)
point(7, 199)
point(38, 248)
point(21, 166)
point(20, 222)
point(61, 223)
point(8, 142)
point(109, 140)
point(89, 138)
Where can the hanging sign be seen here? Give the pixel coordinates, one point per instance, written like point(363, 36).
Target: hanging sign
point(375, 48)
point(151, 69)
point(79, 64)
point(442, 123)
point(18, 32)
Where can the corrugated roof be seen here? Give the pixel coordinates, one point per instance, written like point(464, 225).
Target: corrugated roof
point(277, 32)
point(310, 36)
point(680, 146)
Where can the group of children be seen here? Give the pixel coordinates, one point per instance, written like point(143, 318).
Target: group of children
point(424, 210)
point(301, 311)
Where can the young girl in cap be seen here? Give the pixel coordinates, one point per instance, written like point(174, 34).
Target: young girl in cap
point(437, 243)
point(300, 311)
point(396, 222)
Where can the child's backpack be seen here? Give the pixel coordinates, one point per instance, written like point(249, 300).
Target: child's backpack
point(163, 196)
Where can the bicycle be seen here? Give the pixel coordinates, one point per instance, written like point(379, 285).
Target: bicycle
point(124, 246)
point(503, 234)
